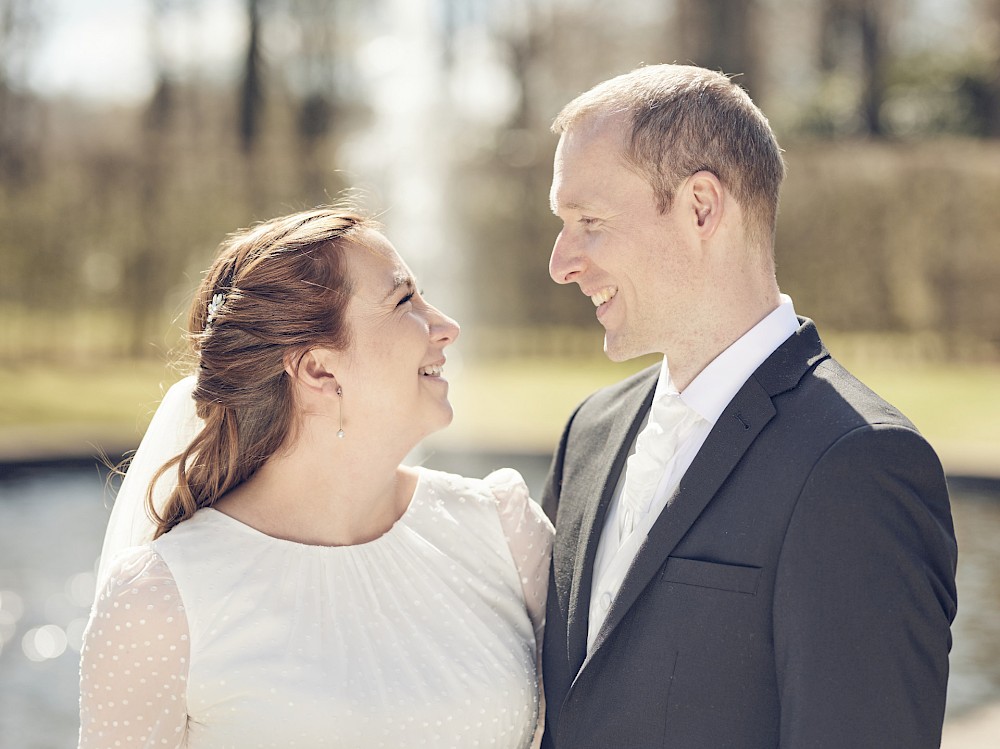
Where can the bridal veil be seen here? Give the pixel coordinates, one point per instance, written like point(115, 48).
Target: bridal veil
point(175, 424)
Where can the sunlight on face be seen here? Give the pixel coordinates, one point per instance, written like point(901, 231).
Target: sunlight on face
point(393, 374)
point(624, 254)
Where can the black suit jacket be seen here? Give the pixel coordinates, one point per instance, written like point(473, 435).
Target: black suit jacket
point(797, 590)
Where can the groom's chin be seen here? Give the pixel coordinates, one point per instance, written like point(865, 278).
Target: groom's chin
point(618, 350)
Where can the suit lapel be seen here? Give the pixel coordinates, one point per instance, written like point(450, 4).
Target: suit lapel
point(734, 432)
point(627, 420)
point(738, 426)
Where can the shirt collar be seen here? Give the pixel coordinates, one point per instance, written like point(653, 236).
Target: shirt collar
point(716, 385)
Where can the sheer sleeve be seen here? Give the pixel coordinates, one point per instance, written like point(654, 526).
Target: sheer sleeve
point(529, 535)
point(134, 663)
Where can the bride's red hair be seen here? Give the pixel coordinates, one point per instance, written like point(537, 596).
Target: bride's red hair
point(275, 290)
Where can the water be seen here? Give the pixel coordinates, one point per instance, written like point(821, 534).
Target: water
point(50, 533)
point(975, 654)
point(51, 526)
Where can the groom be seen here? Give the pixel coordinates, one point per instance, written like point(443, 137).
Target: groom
point(753, 549)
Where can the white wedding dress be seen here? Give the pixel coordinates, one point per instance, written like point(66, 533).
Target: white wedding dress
point(216, 635)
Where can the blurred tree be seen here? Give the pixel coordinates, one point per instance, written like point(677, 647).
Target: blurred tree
point(143, 290)
point(315, 120)
point(854, 35)
point(19, 111)
point(983, 89)
point(29, 242)
point(252, 87)
point(522, 160)
point(721, 35)
point(252, 103)
point(872, 30)
point(314, 72)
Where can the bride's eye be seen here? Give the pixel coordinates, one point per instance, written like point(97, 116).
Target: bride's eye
point(405, 299)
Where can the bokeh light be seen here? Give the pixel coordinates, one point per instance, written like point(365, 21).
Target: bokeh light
point(11, 603)
point(80, 589)
point(74, 633)
point(44, 643)
point(11, 611)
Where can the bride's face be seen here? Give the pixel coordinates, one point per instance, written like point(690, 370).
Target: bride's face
point(392, 372)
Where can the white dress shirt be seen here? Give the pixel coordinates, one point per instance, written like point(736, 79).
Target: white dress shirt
point(708, 394)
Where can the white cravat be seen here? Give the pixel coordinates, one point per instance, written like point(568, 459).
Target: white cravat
point(708, 395)
point(670, 423)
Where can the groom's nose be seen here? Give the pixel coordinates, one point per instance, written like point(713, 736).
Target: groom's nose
point(566, 262)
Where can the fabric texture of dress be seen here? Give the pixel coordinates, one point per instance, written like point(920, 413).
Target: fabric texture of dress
point(217, 635)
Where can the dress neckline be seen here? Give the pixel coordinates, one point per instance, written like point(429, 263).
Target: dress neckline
point(390, 531)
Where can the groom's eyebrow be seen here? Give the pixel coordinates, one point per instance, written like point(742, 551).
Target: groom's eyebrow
point(571, 206)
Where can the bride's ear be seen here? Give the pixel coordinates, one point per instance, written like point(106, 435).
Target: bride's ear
point(313, 370)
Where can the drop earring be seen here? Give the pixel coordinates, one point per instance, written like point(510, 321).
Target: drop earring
point(340, 394)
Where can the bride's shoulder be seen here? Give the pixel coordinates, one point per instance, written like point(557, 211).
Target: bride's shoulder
point(137, 571)
point(134, 563)
point(501, 487)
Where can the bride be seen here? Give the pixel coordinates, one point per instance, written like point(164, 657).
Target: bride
point(272, 575)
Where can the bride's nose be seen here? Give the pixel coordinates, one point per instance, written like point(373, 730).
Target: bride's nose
point(443, 329)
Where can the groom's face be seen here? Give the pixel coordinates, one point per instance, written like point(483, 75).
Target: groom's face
point(634, 263)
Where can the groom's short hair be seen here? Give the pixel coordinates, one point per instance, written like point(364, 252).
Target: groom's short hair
point(685, 119)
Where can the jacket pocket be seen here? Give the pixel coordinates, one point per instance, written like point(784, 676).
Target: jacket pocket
point(732, 577)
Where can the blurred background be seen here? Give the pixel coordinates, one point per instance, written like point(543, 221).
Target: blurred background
point(135, 134)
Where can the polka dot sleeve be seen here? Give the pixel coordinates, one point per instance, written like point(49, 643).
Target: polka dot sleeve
point(134, 663)
point(529, 535)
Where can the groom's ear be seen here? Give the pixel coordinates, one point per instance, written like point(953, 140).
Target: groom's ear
point(706, 202)
point(313, 370)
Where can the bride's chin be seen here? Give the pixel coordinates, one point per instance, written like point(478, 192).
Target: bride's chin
point(447, 416)
point(444, 417)
point(432, 424)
